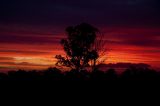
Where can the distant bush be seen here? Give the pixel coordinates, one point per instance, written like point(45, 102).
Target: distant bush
point(54, 74)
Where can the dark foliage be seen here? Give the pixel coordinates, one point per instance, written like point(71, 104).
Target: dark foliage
point(54, 74)
point(80, 47)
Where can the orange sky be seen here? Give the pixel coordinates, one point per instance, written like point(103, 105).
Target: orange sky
point(35, 48)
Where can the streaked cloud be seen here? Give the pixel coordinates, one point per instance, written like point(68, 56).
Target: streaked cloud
point(30, 31)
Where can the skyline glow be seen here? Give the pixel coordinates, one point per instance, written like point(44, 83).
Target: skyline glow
point(30, 31)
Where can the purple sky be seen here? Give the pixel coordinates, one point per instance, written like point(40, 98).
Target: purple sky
point(68, 12)
point(30, 31)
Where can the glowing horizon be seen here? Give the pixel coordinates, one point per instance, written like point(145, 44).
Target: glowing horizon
point(30, 31)
point(37, 51)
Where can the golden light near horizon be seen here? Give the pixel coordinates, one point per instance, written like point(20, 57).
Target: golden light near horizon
point(17, 54)
point(34, 60)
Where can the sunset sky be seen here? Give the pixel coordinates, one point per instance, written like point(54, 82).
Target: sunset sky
point(30, 31)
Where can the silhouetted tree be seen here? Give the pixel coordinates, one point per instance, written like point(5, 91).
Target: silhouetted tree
point(99, 47)
point(80, 46)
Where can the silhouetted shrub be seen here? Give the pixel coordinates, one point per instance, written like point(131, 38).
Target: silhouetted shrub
point(54, 74)
point(97, 75)
point(111, 74)
point(3, 76)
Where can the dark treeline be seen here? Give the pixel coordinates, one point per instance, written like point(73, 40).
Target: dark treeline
point(54, 74)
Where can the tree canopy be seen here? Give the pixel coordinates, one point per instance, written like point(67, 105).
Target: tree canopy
point(79, 46)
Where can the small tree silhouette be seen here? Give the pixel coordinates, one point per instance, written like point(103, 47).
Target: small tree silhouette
point(80, 46)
